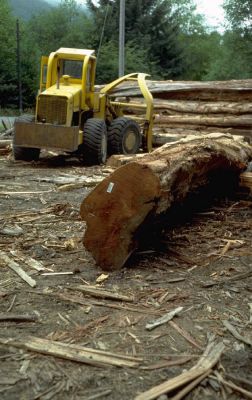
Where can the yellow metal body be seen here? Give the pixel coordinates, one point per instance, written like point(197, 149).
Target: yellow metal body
point(67, 98)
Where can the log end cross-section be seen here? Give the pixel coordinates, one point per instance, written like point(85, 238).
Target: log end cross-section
point(115, 210)
point(131, 198)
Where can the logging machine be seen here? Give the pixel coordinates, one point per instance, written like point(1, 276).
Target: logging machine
point(72, 116)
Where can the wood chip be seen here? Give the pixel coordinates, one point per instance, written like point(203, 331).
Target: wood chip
point(162, 320)
point(16, 268)
point(185, 334)
point(101, 293)
point(236, 334)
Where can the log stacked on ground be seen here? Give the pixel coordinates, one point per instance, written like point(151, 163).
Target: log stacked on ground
point(185, 107)
point(140, 191)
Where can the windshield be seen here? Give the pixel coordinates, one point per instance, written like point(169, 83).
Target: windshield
point(72, 68)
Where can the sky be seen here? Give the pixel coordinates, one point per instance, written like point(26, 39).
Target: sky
point(212, 10)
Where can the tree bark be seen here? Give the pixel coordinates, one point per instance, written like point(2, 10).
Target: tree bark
point(213, 120)
point(234, 90)
point(120, 206)
point(202, 107)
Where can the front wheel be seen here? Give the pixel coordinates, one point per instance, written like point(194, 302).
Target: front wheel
point(94, 146)
point(124, 136)
point(25, 153)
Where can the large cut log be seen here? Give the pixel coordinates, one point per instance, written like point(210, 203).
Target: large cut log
point(235, 90)
point(137, 193)
point(159, 139)
point(225, 120)
point(167, 106)
point(202, 107)
point(163, 134)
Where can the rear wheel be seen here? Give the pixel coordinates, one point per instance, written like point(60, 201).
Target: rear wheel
point(94, 147)
point(124, 136)
point(25, 153)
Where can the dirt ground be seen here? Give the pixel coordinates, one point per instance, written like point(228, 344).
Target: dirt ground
point(204, 264)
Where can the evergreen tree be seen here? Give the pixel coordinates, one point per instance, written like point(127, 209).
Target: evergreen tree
point(64, 26)
point(153, 25)
point(8, 81)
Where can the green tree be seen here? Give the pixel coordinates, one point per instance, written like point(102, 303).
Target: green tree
point(7, 56)
point(235, 58)
point(153, 25)
point(201, 49)
point(136, 60)
point(239, 14)
point(64, 26)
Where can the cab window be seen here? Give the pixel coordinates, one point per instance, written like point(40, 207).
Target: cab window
point(73, 68)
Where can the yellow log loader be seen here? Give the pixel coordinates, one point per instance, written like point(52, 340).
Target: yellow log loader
point(72, 116)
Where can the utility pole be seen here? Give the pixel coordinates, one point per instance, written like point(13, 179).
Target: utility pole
point(20, 99)
point(121, 37)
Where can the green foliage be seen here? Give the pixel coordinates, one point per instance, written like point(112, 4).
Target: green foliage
point(201, 50)
point(63, 26)
point(235, 55)
point(154, 25)
point(234, 60)
point(239, 14)
point(7, 55)
point(136, 60)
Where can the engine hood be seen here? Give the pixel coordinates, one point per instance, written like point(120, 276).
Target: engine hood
point(68, 91)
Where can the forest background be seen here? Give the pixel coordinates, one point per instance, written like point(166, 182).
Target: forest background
point(165, 38)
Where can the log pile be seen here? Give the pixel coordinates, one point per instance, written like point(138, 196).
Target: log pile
point(185, 107)
point(134, 196)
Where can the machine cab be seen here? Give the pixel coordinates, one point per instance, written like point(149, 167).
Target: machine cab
point(68, 73)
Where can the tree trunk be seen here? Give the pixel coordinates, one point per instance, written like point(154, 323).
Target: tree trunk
point(234, 90)
point(119, 207)
point(202, 107)
point(213, 120)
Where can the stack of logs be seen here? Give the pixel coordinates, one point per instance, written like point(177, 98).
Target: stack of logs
point(191, 108)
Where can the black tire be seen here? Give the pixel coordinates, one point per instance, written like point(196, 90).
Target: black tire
point(124, 136)
point(25, 153)
point(94, 147)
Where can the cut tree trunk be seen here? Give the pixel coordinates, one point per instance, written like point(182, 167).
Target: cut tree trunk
point(159, 139)
point(202, 107)
point(119, 208)
point(224, 120)
point(235, 90)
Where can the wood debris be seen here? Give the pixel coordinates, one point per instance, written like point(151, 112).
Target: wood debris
point(17, 269)
point(101, 293)
point(162, 320)
point(185, 334)
point(18, 318)
point(204, 366)
point(72, 352)
point(234, 387)
point(168, 363)
point(236, 334)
